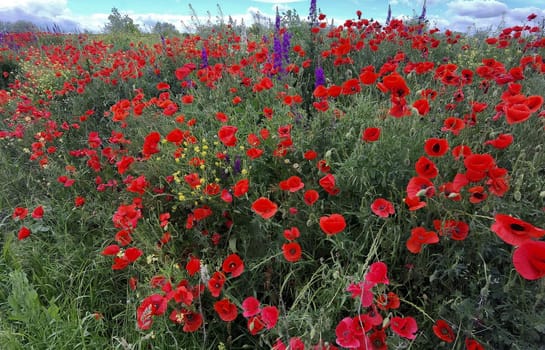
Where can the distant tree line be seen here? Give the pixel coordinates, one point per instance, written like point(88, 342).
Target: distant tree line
point(118, 23)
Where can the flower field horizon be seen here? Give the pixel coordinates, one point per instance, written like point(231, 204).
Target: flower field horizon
point(294, 186)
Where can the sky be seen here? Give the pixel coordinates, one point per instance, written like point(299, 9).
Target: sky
point(92, 15)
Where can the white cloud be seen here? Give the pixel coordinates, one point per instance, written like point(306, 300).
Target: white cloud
point(520, 14)
point(478, 8)
point(278, 1)
point(466, 16)
point(36, 7)
point(397, 2)
point(43, 13)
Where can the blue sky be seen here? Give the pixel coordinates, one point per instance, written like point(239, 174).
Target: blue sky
point(459, 15)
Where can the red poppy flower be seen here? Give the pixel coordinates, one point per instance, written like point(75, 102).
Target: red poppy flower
point(234, 265)
point(346, 335)
point(399, 109)
point(264, 207)
point(250, 307)
point(292, 234)
point(443, 331)
point(226, 196)
point(292, 184)
point(212, 189)
point(414, 203)
point(497, 185)
point(514, 231)
point(215, 283)
point(454, 125)
point(534, 102)
point(269, 315)
point(461, 151)
point(111, 250)
point(351, 86)
point(420, 186)
point(123, 237)
point(176, 136)
point(456, 230)
point(241, 188)
point(227, 135)
point(501, 142)
point(436, 147)
point(38, 212)
point(138, 185)
point(320, 92)
point(310, 197)
point(23, 233)
point(479, 162)
point(382, 207)
point(226, 310)
point(193, 266)
point(236, 100)
point(371, 134)
point(395, 84)
point(378, 340)
point(419, 237)
point(188, 99)
point(310, 155)
point(422, 106)
point(332, 224)
point(368, 76)
point(517, 113)
point(154, 305)
point(361, 290)
point(162, 86)
point(323, 166)
point(94, 140)
point(529, 259)
point(255, 325)
point(328, 184)
point(377, 273)
point(321, 106)
point(388, 301)
point(132, 254)
point(291, 251)
point(472, 344)
point(405, 327)
point(477, 194)
point(192, 321)
point(425, 167)
point(124, 164)
point(254, 153)
point(151, 143)
point(19, 213)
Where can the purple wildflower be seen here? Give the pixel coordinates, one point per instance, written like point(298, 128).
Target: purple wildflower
point(389, 16)
point(277, 54)
point(423, 14)
point(312, 13)
point(204, 58)
point(319, 78)
point(237, 166)
point(277, 21)
point(286, 44)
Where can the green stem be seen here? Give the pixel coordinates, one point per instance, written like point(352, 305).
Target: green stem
point(418, 308)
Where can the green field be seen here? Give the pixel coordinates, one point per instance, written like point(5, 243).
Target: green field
point(300, 186)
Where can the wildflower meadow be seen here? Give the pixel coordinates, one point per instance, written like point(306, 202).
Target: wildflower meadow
point(292, 185)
